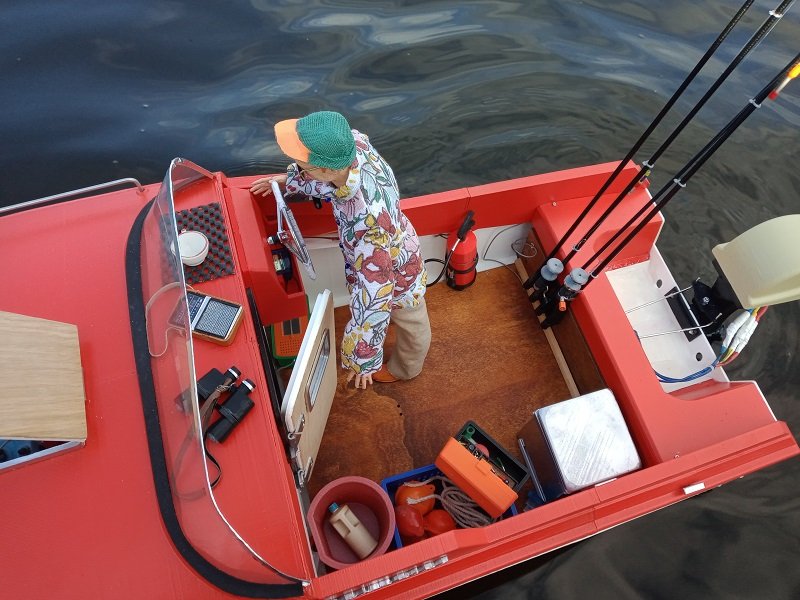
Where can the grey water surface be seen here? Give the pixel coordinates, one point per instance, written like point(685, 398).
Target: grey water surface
point(453, 94)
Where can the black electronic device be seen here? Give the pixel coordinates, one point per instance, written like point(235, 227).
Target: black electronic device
point(212, 318)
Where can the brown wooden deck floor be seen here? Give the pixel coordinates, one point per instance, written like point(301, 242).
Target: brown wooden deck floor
point(489, 362)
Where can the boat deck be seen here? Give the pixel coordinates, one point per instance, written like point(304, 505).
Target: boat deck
point(489, 362)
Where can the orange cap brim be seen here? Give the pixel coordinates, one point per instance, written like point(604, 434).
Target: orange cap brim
point(289, 141)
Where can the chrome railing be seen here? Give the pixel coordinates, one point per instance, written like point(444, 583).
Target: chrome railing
point(65, 195)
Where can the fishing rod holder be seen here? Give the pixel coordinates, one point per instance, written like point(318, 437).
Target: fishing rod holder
point(556, 307)
point(548, 273)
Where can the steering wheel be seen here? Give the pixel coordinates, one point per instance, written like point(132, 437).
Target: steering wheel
point(291, 236)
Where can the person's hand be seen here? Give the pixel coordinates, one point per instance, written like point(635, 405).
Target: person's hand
point(263, 186)
point(361, 380)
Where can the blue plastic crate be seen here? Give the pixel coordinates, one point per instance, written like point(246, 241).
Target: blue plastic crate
point(390, 485)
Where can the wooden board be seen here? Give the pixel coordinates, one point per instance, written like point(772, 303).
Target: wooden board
point(551, 339)
point(40, 367)
point(567, 335)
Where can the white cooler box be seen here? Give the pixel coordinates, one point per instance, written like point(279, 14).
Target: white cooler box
point(579, 443)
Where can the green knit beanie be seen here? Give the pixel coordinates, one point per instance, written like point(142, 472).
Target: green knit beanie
point(328, 137)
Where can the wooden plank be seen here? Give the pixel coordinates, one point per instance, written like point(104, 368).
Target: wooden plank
point(568, 336)
point(551, 340)
point(40, 367)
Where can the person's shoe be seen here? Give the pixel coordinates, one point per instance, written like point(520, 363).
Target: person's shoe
point(384, 376)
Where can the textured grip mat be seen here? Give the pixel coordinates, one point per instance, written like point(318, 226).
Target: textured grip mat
point(207, 219)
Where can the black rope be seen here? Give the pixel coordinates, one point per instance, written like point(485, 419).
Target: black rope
point(445, 264)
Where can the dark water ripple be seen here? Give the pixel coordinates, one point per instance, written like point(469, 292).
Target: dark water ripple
point(453, 93)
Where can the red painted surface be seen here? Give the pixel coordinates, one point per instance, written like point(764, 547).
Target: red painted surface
point(86, 523)
point(664, 425)
point(277, 299)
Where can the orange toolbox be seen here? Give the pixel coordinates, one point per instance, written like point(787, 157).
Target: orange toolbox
point(483, 469)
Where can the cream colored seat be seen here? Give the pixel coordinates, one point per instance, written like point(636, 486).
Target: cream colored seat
point(763, 264)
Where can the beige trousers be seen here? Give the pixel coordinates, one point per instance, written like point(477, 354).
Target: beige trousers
point(412, 340)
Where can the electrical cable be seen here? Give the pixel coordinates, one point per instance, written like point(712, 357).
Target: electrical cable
point(519, 254)
point(444, 268)
point(513, 249)
point(729, 350)
point(692, 377)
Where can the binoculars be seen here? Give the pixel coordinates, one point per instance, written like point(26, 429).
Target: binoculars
point(210, 387)
point(233, 410)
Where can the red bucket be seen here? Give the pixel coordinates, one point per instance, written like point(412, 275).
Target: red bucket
point(371, 505)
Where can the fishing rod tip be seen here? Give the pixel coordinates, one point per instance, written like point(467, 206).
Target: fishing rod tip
point(793, 72)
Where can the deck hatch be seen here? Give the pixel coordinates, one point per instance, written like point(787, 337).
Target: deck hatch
point(312, 385)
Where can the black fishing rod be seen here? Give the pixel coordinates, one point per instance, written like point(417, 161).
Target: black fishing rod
point(549, 271)
point(669, 190)
point(649, 164)
point(580, 278)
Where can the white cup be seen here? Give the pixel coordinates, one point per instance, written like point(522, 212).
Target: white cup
point(193, 246)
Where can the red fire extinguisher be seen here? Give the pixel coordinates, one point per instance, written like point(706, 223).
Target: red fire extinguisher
point(462, 259)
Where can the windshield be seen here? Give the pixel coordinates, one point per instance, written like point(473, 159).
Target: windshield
point(172, 361)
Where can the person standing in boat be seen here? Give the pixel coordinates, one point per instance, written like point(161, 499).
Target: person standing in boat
point(385, 272)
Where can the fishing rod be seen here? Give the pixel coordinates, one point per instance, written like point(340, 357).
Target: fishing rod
point(548, 273)
point(649, 164)
point(535, 280)
point(580, 278)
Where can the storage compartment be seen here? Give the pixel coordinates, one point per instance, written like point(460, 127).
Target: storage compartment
point(513, 472)
point(579, 443)
point(393, 483)
point(490, 369)
point(490, 364)
point(481, 467)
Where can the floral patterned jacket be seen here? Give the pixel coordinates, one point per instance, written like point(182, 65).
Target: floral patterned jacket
point(383, 262)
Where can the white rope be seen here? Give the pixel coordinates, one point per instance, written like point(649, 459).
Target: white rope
point(464, 510)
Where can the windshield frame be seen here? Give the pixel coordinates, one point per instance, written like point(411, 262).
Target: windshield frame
point(164, 355)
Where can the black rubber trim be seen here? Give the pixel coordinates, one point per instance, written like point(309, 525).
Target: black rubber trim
point(155, 443)
point(275, 387)
point(462, 271)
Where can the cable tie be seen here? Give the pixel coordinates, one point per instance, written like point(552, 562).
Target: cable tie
point(754, 103)
point(679, 182)
point(777, 15)
point(646, 163)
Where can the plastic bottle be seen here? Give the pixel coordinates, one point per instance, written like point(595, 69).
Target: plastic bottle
point(347, 525)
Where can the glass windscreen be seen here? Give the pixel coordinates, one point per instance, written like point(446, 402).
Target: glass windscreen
point(171, 352)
